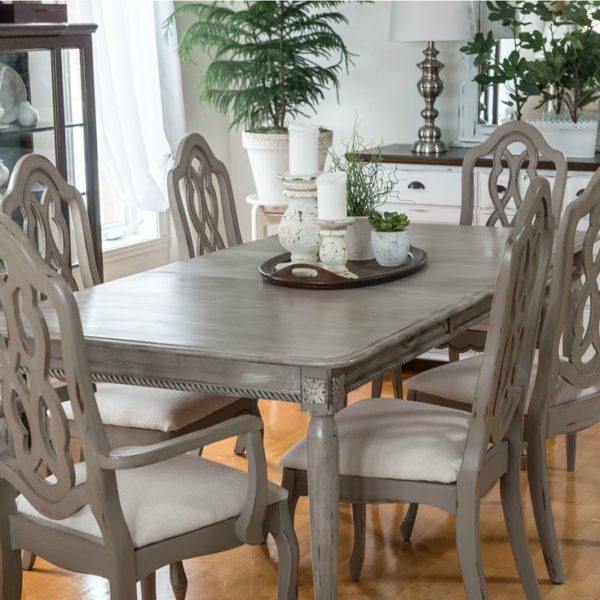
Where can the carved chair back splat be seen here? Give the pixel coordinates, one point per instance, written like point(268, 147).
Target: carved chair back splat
point(514, 146)
point(47, 203)
point(201, 200)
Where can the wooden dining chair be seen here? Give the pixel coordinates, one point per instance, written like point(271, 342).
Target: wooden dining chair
point(566, 396)
point(121, 513)
point(52, 212)
point(201, 200)
point(396, 451)
point(515, 149)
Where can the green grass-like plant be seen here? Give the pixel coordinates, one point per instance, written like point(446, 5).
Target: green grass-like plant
point(272, 60)
point(389, 221)
point(367, 185)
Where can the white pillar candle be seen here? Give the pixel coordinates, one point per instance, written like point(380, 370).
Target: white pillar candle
point(331, 197)
point(304, 149)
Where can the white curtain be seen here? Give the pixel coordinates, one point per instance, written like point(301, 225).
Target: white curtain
point(139, 96)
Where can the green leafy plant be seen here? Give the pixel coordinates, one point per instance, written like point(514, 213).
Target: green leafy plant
point(565, 65)
point(389, 221)
point(272, 60)
point(512, 71)
point(568, 67)
point(367, 185)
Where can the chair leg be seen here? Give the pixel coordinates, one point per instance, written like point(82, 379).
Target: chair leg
point(397, 382)
point(540, 498)
point(148, 585)
point(408, 523)
point(510, 492)
point(288, 482)
point(179, 581)
point(571, 451)
point(376, 387)
point(468, 544)
point(11, 573)
point(282, 530)
point(123, 584)
point(357, 558)
point(453, 355)
point(28, 560)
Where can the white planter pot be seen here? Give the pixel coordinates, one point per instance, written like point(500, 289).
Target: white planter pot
point(358, 240)
point(574, 140)
point(269, 156)
point(390, 247)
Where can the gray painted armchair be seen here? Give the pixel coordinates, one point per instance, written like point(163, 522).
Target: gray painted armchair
point(108, 514)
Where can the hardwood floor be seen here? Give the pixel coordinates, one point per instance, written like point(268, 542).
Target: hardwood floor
point(426, 569)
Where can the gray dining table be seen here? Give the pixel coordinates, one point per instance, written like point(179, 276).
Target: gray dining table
point(212, 324)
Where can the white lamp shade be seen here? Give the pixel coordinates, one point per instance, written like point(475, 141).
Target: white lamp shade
point(425, 21)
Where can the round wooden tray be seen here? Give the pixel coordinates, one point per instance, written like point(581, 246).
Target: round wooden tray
point(317, 278)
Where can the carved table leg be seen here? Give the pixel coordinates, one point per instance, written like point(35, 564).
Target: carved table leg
point(322, 395)
point(324, 495)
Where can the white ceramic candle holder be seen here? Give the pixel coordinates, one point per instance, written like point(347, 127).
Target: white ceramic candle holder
point(333, 253)
point(298, 232)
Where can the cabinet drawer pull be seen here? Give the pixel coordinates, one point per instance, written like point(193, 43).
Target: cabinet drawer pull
point(500, 189)
point(416, 185)
point(579, 192)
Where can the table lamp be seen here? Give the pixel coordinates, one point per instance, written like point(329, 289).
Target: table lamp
point(445, 21)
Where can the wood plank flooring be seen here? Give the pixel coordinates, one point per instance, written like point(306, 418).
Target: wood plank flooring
point(425, 569)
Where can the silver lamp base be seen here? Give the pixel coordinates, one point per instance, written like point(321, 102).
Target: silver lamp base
point(430, 86)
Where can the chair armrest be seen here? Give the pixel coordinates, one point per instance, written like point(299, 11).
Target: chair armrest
point(131, 457)
point(249, 525)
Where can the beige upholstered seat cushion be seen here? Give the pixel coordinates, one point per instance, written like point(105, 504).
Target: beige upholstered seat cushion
point(456, 381)
point(396, 439)
point(152, 408)
point(169, 498)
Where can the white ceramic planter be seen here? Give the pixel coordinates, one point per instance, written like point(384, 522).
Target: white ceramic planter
point(390, 247)
point(269, 157)
point(358, 240)
point(574, 140)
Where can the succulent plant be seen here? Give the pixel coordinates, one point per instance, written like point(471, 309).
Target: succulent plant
point(389, 221)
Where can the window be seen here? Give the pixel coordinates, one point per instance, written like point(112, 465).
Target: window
point(123, 221)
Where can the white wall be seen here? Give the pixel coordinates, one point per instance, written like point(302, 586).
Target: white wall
point(380, 90)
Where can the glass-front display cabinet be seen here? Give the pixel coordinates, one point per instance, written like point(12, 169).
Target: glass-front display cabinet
point(47, 106)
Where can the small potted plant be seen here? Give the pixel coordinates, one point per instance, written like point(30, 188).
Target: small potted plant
point(273, 61)
point(389, 238)
point(367, 187)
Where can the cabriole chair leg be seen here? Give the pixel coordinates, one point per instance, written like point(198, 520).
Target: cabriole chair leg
point(408, 523)
point(357, 558)
point(148, 585)
point(468, 544)
point(179, 581)
point(510, 493)
point(540, 500)
point(28, 560)
point(571, 451)
point(282, 530)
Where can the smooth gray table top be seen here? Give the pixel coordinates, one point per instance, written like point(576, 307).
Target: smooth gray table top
point(217, 306)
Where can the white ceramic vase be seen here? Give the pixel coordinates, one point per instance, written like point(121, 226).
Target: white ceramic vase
point(574, 140)
point(298, 232)
point(358, 240)
point(390, 247)
point(27, 115)
point(269, 157)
